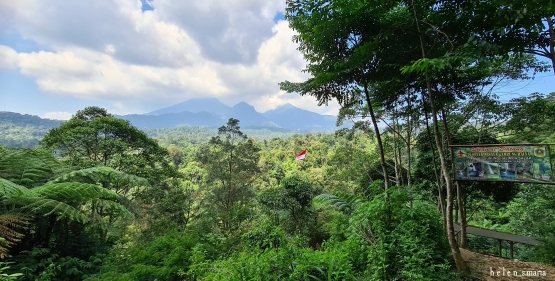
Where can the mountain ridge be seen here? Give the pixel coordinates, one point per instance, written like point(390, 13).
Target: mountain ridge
point(207, 112)
point(211, 113)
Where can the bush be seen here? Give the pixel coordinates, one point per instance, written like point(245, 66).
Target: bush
point(545, 252)
point(162, 259)
point(286, 263)
point(404, 243)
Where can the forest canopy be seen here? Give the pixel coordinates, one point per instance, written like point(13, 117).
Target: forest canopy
point(98, 199)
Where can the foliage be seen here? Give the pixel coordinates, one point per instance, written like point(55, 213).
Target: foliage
point(23, 130)
point(544, 253)
point(532, 212)
point(94, 137)
point(290, 204)
point(4, 266)
point(407, 247)
point(163, 258)
point(284, 263)
point(54, 214)
point(113, 204)
point(230, 160)
point(28, 167)
point(176, 154)
point(345, 203)
point(42, 264)
point(531, 118)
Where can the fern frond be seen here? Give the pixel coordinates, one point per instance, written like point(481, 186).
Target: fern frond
point(72, 192)
point(45, 207)
point(111, 207)
point(345, 203)
point(9, 224)
point(129, 205)
point(28, 167)
point(4, 248)
point(108, 177)
point(10, 189)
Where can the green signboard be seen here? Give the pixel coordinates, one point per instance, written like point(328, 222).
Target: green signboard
point(516, 163)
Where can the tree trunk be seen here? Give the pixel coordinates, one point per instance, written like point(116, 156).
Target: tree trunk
point(462, 214)
point(397, 178)
point(464, 241)
point(461, 266)
point(378, 137)
point(460, 203)
point(409, 135)
point(401, 176)
point(399, 158)
point(456, 219)
point(551, 28)
point(439, 179)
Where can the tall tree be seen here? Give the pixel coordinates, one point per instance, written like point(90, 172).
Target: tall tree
point(176, 154)
point(231, 162)
point(94, 137)
point(519, 26)
point(340, 41)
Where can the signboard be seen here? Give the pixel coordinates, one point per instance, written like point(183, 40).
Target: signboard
point(514, 163)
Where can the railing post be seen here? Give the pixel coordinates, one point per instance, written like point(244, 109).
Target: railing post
point(512, 243)
point(500, 248)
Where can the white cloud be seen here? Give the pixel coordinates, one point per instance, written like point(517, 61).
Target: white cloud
point(110, 49)
point(113, 51)
point(8, 57)
point(57, 115)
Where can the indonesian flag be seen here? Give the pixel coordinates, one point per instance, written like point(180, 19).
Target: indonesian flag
point(301, 155)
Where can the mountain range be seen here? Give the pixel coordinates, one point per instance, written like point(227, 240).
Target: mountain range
point(203, 112)
point(211, 113)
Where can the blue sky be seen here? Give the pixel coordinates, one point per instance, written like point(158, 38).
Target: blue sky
point(133, 56)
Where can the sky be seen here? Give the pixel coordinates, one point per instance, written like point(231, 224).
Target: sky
point(133, 57)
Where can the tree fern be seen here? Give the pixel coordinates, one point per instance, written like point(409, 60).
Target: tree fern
point(110, 207)
point(28, 185)
point(109, 178)
point(71, 192)
point(9, 224)
point(10, 189)
point(63, 199)
point(28, 167)
point(345, 203)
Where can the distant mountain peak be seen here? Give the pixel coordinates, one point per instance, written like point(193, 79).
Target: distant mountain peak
point(243, 105)
point(213, 113)
point(282, 108)
point(194, 105)
point(203, 99)
point(286, 106)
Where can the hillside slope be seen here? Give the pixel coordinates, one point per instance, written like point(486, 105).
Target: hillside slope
point(23, 130)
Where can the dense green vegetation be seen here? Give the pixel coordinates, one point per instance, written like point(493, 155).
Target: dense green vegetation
point(22, 130)
point(26, 131)
point(99, 199)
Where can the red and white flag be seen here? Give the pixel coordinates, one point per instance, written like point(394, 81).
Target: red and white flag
point(301, 155)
